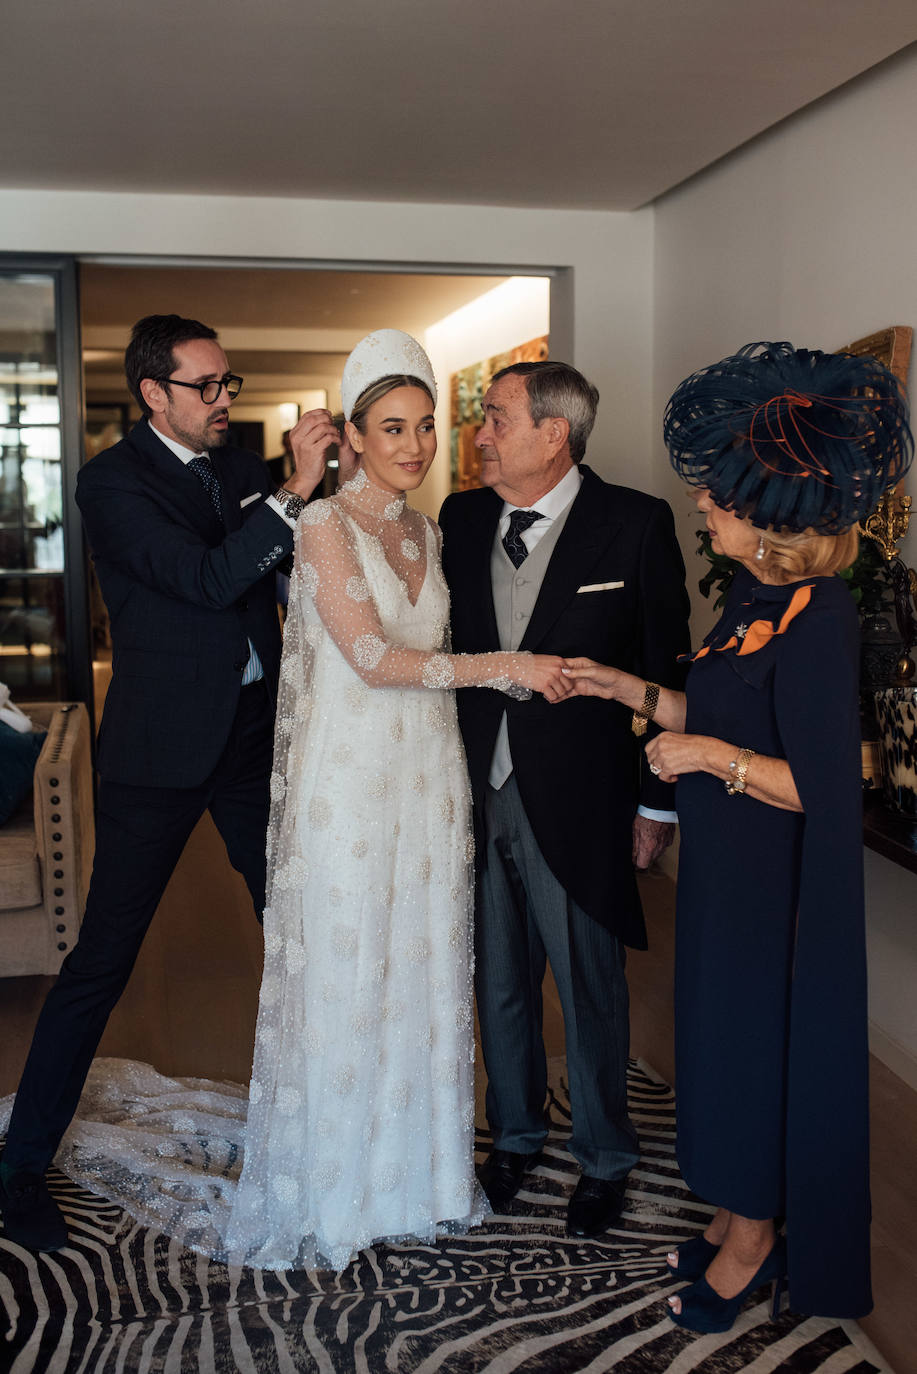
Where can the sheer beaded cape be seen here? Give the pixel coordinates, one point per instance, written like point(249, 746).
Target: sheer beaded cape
point(358, 1124)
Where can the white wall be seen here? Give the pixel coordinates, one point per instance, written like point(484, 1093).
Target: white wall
point(807, 235)
point(608, 257)
point(512, 313)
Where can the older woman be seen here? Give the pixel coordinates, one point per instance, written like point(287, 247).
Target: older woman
point(786, 449)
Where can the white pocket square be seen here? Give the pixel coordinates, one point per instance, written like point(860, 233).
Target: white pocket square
point(600, 587)
point(247, 500)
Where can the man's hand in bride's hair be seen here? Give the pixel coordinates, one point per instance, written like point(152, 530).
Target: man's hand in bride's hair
point(310, 437)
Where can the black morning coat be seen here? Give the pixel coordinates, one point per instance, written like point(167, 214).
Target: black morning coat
point(579, 768)
point(184, 596)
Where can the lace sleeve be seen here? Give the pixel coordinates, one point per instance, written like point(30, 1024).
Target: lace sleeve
point(327, 567)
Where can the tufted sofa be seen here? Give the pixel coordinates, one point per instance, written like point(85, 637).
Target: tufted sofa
point(46, 847)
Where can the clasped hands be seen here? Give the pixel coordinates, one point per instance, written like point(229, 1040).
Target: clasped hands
point(559, 678)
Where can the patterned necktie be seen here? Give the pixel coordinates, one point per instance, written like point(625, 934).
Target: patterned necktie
point(202, 468)
point(519, 522)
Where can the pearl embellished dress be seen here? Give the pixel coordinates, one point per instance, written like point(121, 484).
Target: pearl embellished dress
point(360, 1113)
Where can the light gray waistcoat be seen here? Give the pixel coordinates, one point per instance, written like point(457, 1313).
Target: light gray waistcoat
point(515, 591)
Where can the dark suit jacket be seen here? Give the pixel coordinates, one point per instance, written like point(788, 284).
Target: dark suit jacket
point(184, 597)
point(579, 768)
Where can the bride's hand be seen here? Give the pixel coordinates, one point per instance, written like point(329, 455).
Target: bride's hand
point(591, 679)
point(543, 673)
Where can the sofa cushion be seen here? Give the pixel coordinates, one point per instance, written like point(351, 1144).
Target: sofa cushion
point(18, 756)
point(20, 876)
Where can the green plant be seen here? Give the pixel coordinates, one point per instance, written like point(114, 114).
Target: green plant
point(869, 579)
point(720, 573)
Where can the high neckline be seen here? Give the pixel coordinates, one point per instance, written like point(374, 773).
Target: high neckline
point(363, 495)
point(778, 591)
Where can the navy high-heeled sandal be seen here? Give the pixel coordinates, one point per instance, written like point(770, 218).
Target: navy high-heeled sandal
point(694, 1257)
point(702, 1309)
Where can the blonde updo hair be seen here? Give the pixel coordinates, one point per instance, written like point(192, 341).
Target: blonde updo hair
point(368, 398)
point(789, 556)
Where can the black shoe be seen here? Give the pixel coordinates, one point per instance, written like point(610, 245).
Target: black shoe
point(501, 1176)
point(702, 1308)
point(595, 1204)
point(31, 1217)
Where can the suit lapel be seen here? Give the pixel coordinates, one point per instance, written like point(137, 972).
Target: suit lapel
point(586, 534)
point(232, 514)
point(161, 463)
point(477, 568)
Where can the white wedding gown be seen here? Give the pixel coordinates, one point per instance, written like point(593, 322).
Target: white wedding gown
point(360, 1114)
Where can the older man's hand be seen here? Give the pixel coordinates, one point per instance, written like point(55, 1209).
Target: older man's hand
point(650, 839)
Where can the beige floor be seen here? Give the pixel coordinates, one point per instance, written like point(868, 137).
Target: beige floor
point(191, 1005)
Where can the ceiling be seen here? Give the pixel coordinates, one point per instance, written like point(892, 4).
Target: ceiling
point(247, 297)
point(599, 104)
point(278, 325)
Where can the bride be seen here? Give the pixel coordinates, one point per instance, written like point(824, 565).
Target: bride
point(361, 1108)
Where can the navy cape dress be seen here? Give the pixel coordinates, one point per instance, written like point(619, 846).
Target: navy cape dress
point(771, 1041)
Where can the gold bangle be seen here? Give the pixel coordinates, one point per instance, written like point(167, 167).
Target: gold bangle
point(736, 783)
point(645, 713)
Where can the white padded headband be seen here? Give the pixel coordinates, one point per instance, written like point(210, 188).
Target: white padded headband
point(384, 353)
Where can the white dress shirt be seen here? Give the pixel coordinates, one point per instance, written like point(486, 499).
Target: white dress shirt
point(550, 506)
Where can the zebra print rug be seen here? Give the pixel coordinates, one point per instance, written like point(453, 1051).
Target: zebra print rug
point(516, 1296)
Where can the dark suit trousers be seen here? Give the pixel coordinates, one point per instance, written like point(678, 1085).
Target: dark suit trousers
point(524, 917)
point(140, 834)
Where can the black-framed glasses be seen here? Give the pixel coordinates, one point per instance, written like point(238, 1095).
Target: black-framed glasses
point(210, 391)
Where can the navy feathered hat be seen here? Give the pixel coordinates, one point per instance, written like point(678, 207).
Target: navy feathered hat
point(793, 438)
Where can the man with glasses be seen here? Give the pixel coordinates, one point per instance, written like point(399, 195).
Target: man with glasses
point(185, 533)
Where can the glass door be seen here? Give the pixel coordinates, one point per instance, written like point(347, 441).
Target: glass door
point(44, 639)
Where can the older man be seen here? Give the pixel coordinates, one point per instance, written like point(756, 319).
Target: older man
point(550, 558)
point(185, 532)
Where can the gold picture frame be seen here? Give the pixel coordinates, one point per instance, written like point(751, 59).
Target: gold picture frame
point(889, 522)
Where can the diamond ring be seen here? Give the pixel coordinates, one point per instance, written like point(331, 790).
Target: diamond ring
point(654, 768)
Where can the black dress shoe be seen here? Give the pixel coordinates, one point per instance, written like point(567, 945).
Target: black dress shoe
point(595, 1204)
point(31, 1217)
point(501, 1176)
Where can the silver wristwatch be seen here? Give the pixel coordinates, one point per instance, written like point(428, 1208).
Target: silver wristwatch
point(293, 505)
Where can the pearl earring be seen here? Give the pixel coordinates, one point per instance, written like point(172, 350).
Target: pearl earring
point(760, 553)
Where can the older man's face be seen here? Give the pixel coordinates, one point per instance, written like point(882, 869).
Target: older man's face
point(518, 459)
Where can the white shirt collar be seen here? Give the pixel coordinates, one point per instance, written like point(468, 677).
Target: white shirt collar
point(554, 501)
point(180, 451)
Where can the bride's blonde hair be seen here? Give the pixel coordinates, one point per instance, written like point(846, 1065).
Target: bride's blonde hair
point(376, 391)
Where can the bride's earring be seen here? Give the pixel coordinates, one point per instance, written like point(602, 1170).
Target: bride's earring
point(760, 553)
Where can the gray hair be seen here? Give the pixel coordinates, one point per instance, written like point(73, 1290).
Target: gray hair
point(557, 389)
